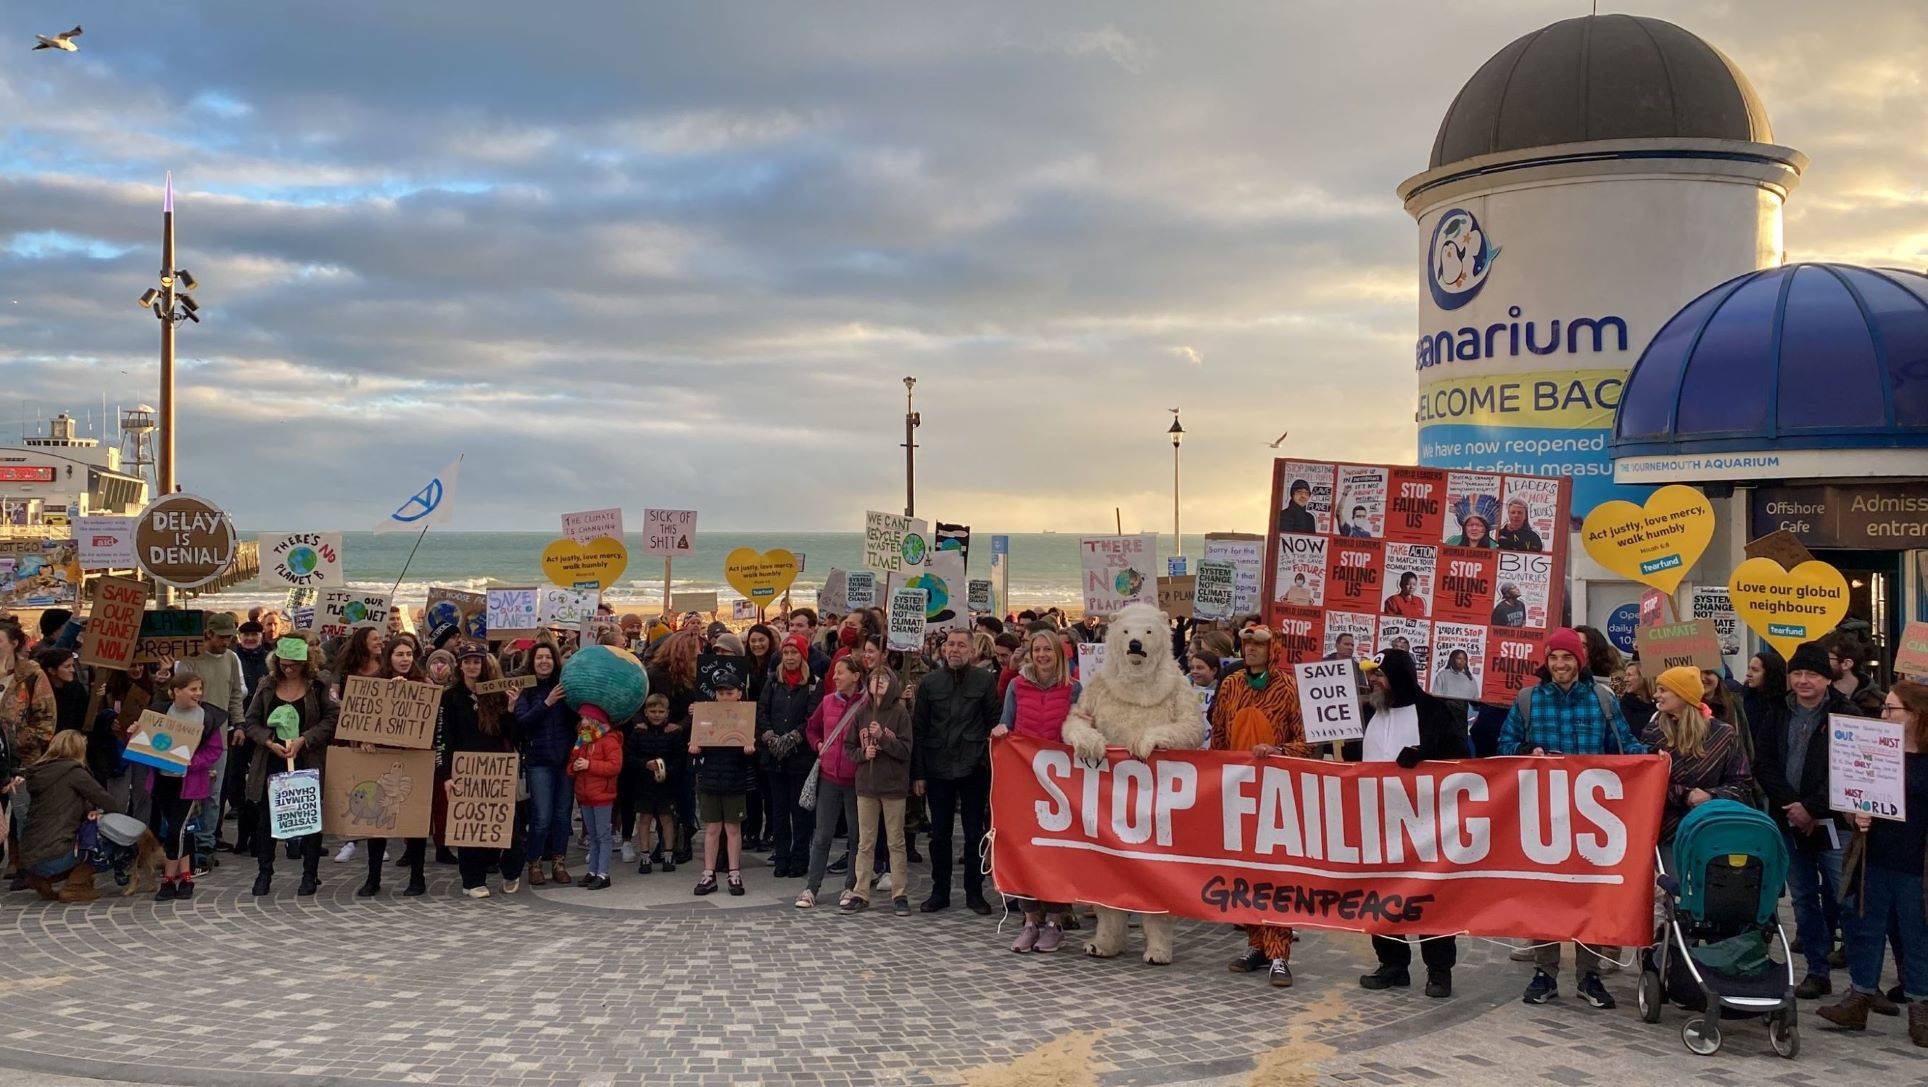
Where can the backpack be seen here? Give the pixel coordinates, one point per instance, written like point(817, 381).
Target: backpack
point(1523, 705)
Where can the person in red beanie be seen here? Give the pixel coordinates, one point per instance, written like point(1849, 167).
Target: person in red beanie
point(782, 713)
point(1567, 713)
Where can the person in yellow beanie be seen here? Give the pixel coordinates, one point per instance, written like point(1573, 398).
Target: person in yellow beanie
point(1707, 761)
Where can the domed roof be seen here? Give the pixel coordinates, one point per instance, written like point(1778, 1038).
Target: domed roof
point(1600, 77)
point(1806, 356)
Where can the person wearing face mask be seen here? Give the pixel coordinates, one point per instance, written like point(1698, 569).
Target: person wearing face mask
point(1407, 726)
point(952, 716)
point(1566, 713)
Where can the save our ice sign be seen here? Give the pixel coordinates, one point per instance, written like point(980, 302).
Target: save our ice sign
point(1865, 767)
point(294, 804)
point(1328, 701)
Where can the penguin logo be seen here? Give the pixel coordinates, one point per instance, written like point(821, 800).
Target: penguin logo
point(1458, 259)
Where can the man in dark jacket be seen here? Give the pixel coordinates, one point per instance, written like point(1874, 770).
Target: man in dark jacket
point(1791, 765)
point(1408, 726)
point(955, 709)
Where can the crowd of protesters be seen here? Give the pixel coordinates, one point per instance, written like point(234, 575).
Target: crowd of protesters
point(877, 747)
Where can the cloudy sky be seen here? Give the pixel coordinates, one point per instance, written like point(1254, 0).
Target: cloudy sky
point(682, 254)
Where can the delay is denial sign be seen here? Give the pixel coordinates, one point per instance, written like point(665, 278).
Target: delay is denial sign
point(1532, 848)
point(184, 541)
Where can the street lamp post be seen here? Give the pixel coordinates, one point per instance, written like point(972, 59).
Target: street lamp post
point(171, 306)
point(1178, 433)
point(912, 420)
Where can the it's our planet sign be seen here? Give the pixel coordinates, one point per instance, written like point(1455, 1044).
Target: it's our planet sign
point(303, 559)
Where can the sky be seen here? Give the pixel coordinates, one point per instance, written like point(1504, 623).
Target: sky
point(683, 254)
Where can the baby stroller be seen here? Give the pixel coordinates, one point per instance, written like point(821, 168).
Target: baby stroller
point(1718, 917)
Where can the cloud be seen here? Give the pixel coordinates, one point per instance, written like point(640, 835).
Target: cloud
point(683, 256)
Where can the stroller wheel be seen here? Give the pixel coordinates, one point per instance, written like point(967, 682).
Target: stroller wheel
point(1702, 1038)
point(1784, 1034)
point(1650, 997)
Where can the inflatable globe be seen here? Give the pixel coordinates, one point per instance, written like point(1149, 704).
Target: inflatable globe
point(609, 678)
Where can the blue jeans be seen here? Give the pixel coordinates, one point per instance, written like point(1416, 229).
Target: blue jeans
point(596, 823)
point(551, 795)
point(1813, 881)
point(1887, 898)
point(58, 866)
point(207, 819)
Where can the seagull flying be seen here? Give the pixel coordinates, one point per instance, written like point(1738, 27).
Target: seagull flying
point(63, 42)
point(1282, 437)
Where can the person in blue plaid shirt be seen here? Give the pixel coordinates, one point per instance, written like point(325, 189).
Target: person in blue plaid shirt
point(1566, 713)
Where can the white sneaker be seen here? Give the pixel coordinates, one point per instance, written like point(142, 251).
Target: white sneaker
point(511, 886)
point(346, 853)
point(477, 892)
point(629, 852)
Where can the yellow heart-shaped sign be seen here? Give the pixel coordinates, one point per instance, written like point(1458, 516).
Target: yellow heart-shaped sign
point(1654, 544)
point(760, 576)
point(572, 565)
point(1788, 607)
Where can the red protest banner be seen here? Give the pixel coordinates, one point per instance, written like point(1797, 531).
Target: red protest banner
point(1540, 849)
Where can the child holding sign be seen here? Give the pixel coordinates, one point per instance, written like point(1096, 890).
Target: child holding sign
point(175, 795)
point(723, 786)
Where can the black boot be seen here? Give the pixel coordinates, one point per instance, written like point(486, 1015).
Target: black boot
point(1387, 977)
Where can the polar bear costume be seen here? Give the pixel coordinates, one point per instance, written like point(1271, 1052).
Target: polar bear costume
point(1141, 702)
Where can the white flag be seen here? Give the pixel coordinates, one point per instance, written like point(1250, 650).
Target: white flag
point(429, 506)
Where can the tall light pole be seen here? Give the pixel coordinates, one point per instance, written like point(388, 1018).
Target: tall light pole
point(1178, 433)
point(172, 307)
point(912, 421)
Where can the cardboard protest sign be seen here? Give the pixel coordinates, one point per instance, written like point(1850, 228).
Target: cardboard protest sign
point(1788, 607)
point(742, 609)
point(942, 579)
point(833, 598)
point(590, 524)
point(1246, 553)
point(39, 574)
point(760, 576)
point(481, 806)
point(1673, 645)
point(722, 724)
point(388, 712)
point(508, 685)
point(1911, 653)
point(1175, 595)
point(1118, 570)
point(978, 596)
point(1866, 767)
point(114, 625)
point(170, 635)
point(294, 804)
point(1654, 606)
point(105, 542)
point(884, 541)
point(377, 794)
point(906, 630)
point(455, 609)
point(946, 536)
point(513, 612)
point(302, 559)
point(698, 602)
point(184, 540)
point(342, 610)
point(566, 608)
point(669, 533)
point(1091, 659)
point(1780, 545)
point(1329, 701)
point(1655, 543)
point(165, 743)
point(593, 565)
point(1213, 589)
point(1203, 834)
point(1712, 602)
point(860, 589)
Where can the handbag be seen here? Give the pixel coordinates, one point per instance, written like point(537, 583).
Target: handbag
point(807, 796)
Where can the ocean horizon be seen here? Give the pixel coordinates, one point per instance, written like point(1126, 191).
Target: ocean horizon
point(1043, 566)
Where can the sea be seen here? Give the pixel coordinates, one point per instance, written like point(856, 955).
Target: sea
point(1043, 567)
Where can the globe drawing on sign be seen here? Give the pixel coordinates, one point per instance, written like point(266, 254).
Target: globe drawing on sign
point(937, 599)
point(355, 612)
point(160, 741)
point(913, 549)
point(1127, 582)
point(302, 561)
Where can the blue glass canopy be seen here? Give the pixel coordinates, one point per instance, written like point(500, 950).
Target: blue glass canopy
point(1805, 356)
